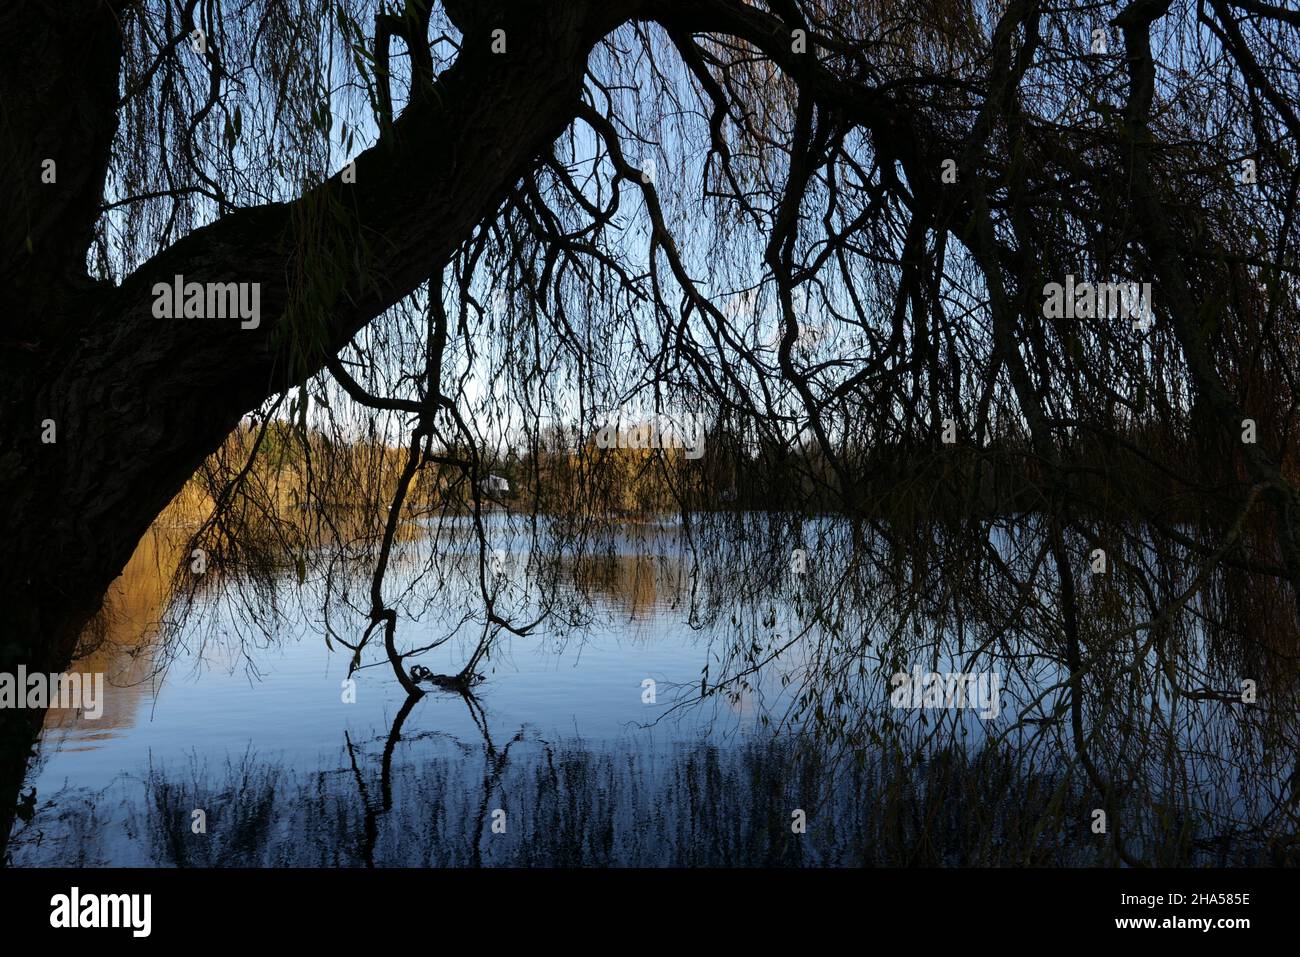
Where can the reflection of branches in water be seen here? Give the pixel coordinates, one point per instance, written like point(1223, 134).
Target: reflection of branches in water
point(373, 813)
point(1143, 691)
point(571, 805)
point(1163, 645)
point(1199, 781)
point(494, 766)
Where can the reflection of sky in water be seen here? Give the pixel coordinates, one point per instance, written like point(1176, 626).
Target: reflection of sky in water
point(221, 695)
point(583, 686)
point(587, 685)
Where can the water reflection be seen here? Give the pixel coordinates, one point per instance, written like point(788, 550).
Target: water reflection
point(422, 799)
point(120, 643)
point(712, 771)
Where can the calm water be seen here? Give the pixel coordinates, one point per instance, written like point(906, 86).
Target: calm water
point(213, 703)
point(251, 728)
point(225, 695)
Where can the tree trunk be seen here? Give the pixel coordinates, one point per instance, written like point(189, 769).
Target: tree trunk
point(138, 402)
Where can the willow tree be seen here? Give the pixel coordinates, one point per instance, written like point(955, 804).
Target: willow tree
point(827, 224)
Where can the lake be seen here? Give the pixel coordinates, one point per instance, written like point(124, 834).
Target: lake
point(588, 741)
